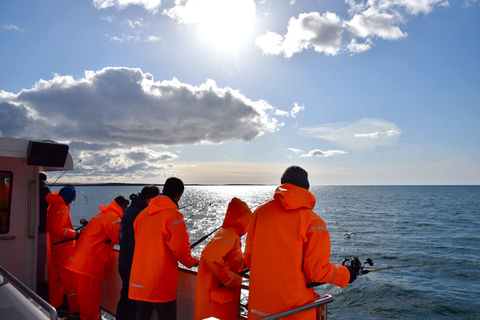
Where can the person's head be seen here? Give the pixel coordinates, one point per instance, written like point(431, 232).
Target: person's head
point(68, 194)
point(149, 192)
point(173, 188)
point(296, 176)
point(42, 176)
point(122, 202)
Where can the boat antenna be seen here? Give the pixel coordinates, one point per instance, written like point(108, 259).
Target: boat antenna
point(63, 174)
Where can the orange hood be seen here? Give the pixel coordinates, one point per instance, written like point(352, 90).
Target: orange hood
point(160, 203)
point(292, 197)
point(238, 216)
point(54, 198)
point(113, 206)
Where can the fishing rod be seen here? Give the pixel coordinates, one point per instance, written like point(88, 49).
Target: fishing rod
point(64, 173)
point(206, 236)
point(198, 210)
point(83, 223)
point(189, 205)
point(359, 268)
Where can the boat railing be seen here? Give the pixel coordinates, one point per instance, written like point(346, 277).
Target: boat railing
point(322, 303)
point(8, 277)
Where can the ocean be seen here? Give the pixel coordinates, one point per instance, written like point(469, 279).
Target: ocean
point(434, 230)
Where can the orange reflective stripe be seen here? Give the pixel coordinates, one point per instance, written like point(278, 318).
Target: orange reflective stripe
point(175, 222)
point(259, 313)
point(137, 285)
point(224, 240)
point(316, 228)
point(335, 271)
point(117, 221)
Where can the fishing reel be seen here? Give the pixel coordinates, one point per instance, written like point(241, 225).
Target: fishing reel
point(83, 222)
point(356, 265)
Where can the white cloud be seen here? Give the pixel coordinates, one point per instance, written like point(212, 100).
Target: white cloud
point(124, 38)
point(364, 134)
point(330, 34)
point(126, 106)
point(295, 150)
point(296, 110)
point(150, 5)
point(11, 27)
point(323, 154)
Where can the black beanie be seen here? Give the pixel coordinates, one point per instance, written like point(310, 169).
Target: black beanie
point(297, 176)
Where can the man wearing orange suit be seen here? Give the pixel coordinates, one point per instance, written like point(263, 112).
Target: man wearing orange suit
point(220, 262)
point(288, 246)
point(161, 241)
point(91, 255)
point(60, 231)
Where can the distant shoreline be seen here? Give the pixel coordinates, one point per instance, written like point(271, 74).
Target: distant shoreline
point(119, 184)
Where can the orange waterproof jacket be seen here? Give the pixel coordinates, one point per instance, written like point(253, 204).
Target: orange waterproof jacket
point(96, 242)
point(220, 262)
point(287, 246)
point(60, 227)
point(161, 241)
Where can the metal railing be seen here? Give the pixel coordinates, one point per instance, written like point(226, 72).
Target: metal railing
point(319, 303)
point(8, 277)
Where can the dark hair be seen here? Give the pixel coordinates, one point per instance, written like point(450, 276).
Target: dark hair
point(43, 176)
point(173, 187)
point(122, 201)
point(297, 176)
point(150, 191)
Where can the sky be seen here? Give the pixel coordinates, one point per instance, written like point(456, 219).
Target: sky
point(375, 92)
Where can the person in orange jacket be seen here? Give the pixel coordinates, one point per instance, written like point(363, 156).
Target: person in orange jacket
point(161, 241)
point(60, 228)
point(91, 254)
point(220, 262)
point(288, 246)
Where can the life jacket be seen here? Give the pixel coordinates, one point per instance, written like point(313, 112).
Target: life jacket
point(287, 246)
point(59, 226)
point(96, 242)
point(220, 262)
point(161, 241)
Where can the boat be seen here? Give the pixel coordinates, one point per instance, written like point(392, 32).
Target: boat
point(21, 161)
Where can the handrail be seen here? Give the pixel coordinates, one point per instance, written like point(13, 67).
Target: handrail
point(326, 299)
point(31, 207)
point(8, 277)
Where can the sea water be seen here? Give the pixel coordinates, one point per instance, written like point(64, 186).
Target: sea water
point(432, 229)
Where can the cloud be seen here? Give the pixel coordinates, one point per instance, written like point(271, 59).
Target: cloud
point(135, 30)
point(361, 135)
point(150, 5)
point(127, 107)
point(296, 110)
point(330, 34)
point(11, 27)
point(295, 150)
point(323, 154)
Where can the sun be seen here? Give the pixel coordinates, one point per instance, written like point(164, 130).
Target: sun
point(227, 24)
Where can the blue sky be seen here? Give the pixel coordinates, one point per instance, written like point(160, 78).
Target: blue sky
point(356, 92)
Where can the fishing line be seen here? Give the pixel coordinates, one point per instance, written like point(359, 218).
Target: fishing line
point(198, 211)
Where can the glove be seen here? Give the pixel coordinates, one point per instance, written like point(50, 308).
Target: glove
point(77, 235)
point(353, 274)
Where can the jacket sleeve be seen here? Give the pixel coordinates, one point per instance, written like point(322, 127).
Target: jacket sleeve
point(317, 256)
point(58, 224)
point(214, 257)
point(178, 239)
point(247, 256)
point(112, 227)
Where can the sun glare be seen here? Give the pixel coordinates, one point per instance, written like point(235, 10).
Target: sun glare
point(227, 23)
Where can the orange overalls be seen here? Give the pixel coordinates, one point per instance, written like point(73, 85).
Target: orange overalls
point(91, 255)
point(59, 228)
point(161, 241)
point(220, 262)
point(287, 246)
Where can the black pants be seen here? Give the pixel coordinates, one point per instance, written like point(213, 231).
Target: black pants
point(126, 308)
point(165, 310)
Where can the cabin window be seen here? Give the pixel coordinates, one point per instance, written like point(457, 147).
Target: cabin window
point(5, 200)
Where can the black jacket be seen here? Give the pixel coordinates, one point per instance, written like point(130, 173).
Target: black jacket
point(44, 190)
point(127, 233)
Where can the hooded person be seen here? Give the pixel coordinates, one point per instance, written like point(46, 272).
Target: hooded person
point(42, 228)
point(161, 241)
point(91, 254)
point(126, 308)
point(288, 246)
point(60, 228)
point(217, 290)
